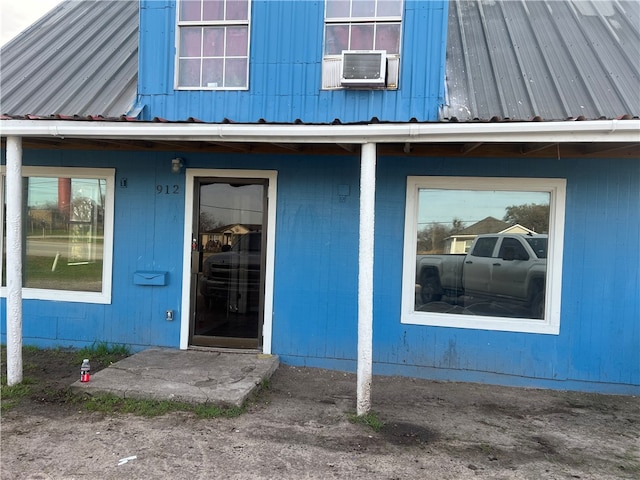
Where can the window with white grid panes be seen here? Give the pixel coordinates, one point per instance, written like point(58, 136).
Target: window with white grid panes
point(213, 45)
point(361, 25)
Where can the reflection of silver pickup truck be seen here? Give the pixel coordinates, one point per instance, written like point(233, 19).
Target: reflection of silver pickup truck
point(505, 268)
point(231, 278)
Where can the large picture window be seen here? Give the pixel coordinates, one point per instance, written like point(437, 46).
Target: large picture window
point(67, 230)
point(484, 253)
point(361, 25)
point(213, 45)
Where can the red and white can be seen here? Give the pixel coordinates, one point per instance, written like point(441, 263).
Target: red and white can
point(85, 371)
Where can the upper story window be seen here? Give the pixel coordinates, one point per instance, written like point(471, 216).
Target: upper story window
point(371, 25)
point(213, 45)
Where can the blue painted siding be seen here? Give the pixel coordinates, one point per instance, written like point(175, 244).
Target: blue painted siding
point(599, 341)
point(598, 347)
point(147, 236)
point(316, 262)
point(315, 302)
point(286, 69)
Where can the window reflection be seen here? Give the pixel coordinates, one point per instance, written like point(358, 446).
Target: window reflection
point(338, 8)
point(190, 10)
point(212, 71)
point(388, 38)
point(237, 38)
point(211, 32)
point(235, 72)
point(64, 233)
point(237, 10)
point(337, 39)
point(190, 42)
point(213, 45)
point(482, 252)
point(189, 73)
point(363, 8)
point(362, 37)
point(212, 10)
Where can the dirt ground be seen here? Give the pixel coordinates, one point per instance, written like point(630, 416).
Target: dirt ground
point(300, 428)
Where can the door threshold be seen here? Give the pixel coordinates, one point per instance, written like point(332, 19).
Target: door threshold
point(203, 348)
point(225, 342)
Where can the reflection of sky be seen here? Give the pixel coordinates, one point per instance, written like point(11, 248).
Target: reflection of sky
point(43, 191)
point(229, 205)
point(470, 206)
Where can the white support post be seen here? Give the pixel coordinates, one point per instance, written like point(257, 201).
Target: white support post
point(14, 260)
point(365, 277)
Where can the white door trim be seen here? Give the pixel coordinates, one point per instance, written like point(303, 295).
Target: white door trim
point(191, 174)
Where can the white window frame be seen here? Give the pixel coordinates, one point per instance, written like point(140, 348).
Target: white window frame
point(332, 64)
point(556, 188)
point(210, 23)
point(104, 296)
point(269, 276)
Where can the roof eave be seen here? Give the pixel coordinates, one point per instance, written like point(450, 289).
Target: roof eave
point(508, 132)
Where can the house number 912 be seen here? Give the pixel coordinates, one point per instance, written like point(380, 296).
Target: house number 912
point(168, 189)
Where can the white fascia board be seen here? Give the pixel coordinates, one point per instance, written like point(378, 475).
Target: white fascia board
point(507, 132)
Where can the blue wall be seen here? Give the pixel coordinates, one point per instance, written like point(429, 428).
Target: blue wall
point(286, 68)
point(147, 236)
point(599, 337)
point(599, 343)
point(316, 258)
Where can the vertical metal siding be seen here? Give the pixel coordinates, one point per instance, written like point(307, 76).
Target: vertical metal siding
point(604, 297)
point(285, 69)
point(157, 41)
point(316, 290)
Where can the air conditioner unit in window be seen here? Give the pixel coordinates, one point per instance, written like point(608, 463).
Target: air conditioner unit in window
point(363, 68)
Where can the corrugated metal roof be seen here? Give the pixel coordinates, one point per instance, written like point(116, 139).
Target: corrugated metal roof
point(506, 59)
point(79, 59)
point(543, 59)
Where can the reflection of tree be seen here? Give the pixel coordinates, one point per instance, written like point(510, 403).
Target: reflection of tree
point(47, 217)
point(431, 239)
point(82, 231)
point(531, 215)
point(208, 222)
point(457, 226)
point(82, 209)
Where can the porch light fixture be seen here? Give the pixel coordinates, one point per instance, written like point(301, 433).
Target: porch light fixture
point(176, 165)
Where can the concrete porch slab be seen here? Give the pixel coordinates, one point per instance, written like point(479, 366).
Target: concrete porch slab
point(192, 376)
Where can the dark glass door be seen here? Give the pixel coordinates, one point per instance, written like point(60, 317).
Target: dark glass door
point(227, 267)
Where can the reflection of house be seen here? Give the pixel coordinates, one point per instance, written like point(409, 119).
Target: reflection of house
point(213, 240)
point(335, 159)
point(461, 241)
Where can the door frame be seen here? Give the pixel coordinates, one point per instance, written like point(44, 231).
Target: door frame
point(190, 176)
